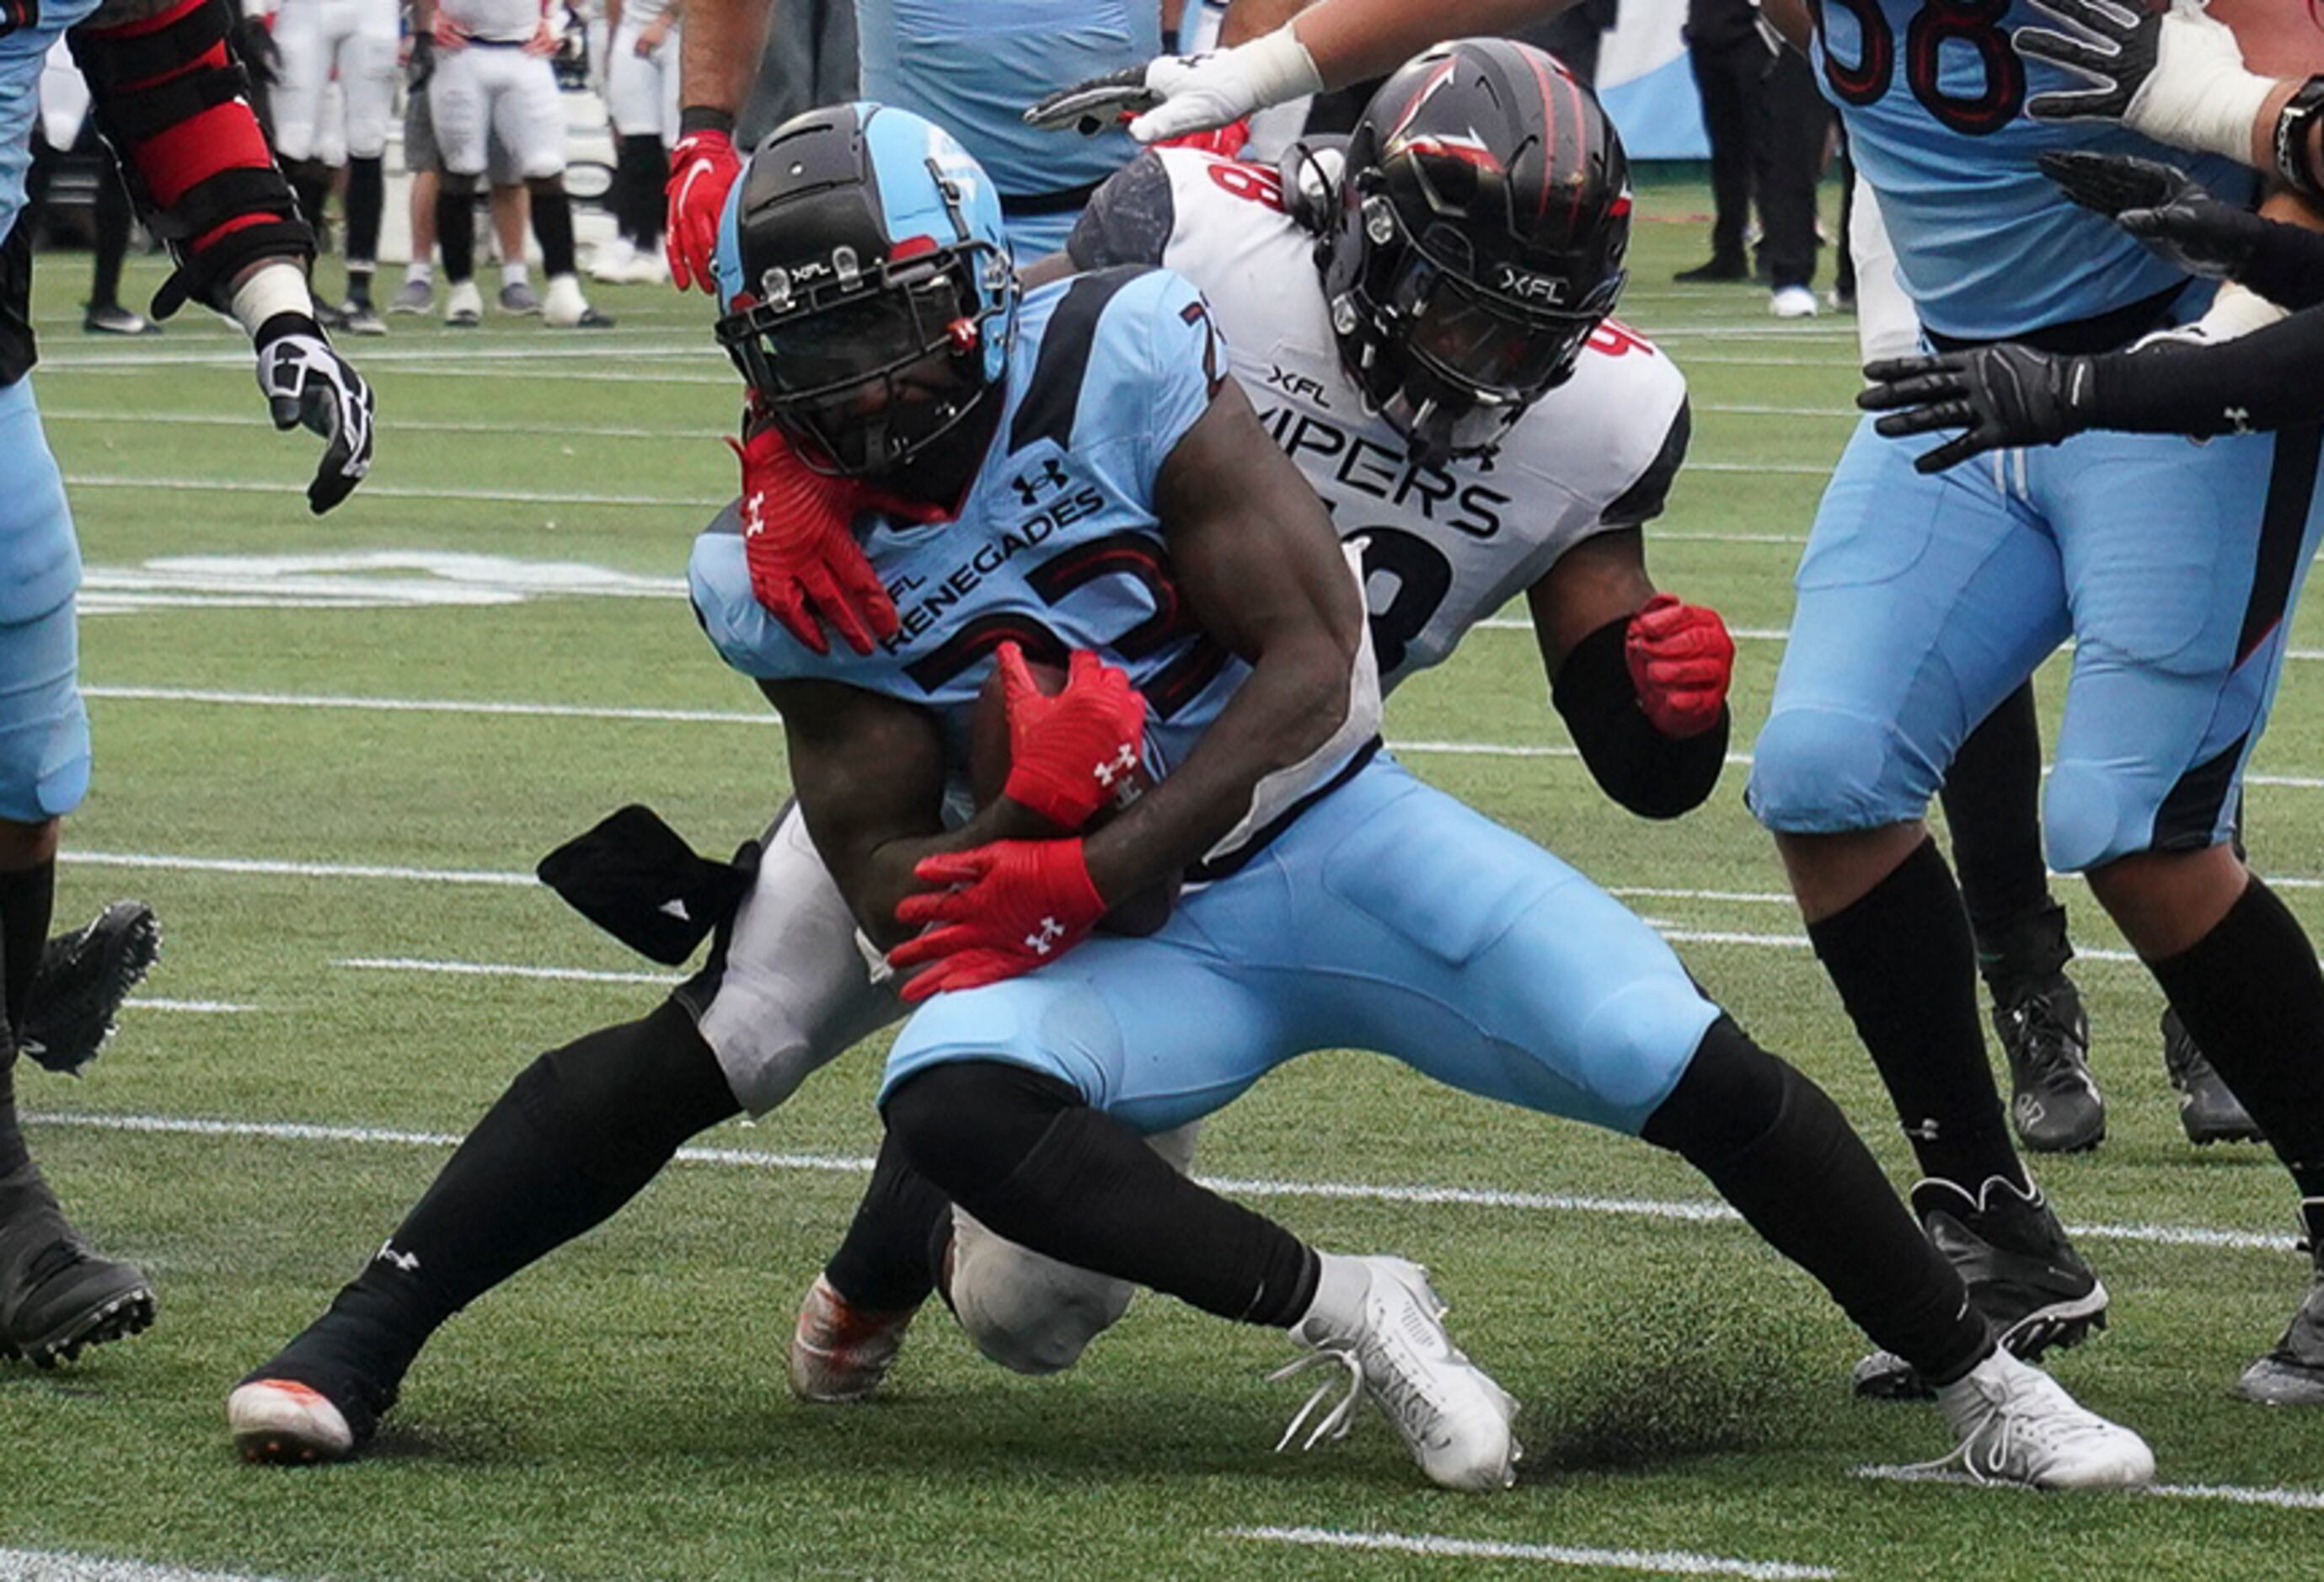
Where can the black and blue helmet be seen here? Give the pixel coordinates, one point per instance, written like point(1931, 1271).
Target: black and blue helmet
point(865, 284)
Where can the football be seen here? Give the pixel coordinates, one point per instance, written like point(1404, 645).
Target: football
point(988, 772)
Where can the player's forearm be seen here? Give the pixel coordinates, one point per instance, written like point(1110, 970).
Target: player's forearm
point(719, 59)
point(2263, 380)
point(1248, 19)
point(1294, 702)
point(1352, 39)
point(877, 880)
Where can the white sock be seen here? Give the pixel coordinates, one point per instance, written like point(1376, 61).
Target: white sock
point(419, 270)
point(1341, 1287)
point(513, 274)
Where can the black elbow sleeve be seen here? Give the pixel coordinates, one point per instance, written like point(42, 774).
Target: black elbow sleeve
point(1653, 775)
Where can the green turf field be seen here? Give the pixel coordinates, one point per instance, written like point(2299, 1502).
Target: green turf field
point(329, 753)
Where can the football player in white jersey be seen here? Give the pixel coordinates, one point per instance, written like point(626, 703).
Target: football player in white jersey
point(641, 103)
point(354, 43)
point(493, 74)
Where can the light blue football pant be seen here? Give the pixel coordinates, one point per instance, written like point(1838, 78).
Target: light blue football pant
point(44, 729)
point(1388, 917)
point(1925, 602)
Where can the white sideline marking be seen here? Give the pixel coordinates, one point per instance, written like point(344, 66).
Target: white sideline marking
point(33, 1565)
point(1680, 1210)
point(426, 705)
point(202, 1007)
point(501, 970)
point(1663, 1562)
point(392, 491)
point(401, 425)
point(2285, 1499)
point(265, 865)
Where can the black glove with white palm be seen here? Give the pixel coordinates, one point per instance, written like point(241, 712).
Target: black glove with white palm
point(1173, 95)
point(2176, 75)
point(308, 385)
point(2004, 396)
point(2163, 207)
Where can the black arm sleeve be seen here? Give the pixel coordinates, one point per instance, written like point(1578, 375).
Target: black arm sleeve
point(2262, 381)
point(2288, 269)
point(1129, 220)
point(1651, 774)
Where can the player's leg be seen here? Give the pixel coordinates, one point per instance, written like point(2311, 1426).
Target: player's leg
point(459, 103)
point(531, 119)
point(1992, 797)
point(367, 76)
point(1727, 115)
point(56, 1296)
point(577, 1135)
point(1922, 603)
point(305, 39)
point(417, 294)
point(631, 109)
point(1024, 1101)
point(1483, 961)
point(2186, 562)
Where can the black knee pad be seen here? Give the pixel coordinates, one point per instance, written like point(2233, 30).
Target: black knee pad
point(622, 1099)
point(1733, 1094)
point(968, 1125)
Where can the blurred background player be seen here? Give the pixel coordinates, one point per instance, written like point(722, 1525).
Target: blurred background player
point(509, 202)
point(1767, 128)
point(66, 127)
point(492, 71)
point(352, 45)
point(171, 99)
point(641, 103)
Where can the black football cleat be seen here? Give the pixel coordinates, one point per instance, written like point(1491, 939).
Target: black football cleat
point(2054, 1105)
point(56, 1296)
point(2207, 1109)
point(2293, 1374)
point(307, 1406)
point(2022, 1273)
point(84, 976)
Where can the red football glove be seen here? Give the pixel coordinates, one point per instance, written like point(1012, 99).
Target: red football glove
point(1017, 906)
point(702, 167)
point(1681, 661)
point(1226, 141)
point(1071, 754)
point(806, 566)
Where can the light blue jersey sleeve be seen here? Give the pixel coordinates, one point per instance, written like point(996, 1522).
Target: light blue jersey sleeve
point(1154, 363)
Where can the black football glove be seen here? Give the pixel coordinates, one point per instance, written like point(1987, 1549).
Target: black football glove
point(2005, 396)
point(2163, 207)
point(305, 383)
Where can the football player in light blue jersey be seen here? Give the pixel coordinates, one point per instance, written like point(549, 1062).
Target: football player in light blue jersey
point(172, 103)
point(1105, 487)
point(1924, 601)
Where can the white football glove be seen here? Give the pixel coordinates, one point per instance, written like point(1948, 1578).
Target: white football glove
point(305, 382)
point(2177, 75)
point(1172, 95)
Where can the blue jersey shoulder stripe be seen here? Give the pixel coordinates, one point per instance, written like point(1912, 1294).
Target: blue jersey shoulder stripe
point(1053, 395)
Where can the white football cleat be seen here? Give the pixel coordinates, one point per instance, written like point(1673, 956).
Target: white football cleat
point(1793, 302)
point(464, 305)
point(839, 1354)
point(284, 1421)
point(610, 262)
point(2018, 1425)
point(1454, 1418)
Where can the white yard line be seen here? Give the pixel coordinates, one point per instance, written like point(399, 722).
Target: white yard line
point(200, 1007)
point(277, 866)
point(503, 969)
point(391, 492)
point(33, 1564)
point(1658, 1562)
point(400, 425)
point(1673, 1210)
point(2280, 1498)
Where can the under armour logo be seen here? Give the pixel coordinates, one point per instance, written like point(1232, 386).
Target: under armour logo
point(2240, 416)
point(407, 1262)
point(1120, 764)
point(1052, 476)
point(1044, 940)
point(754, 517)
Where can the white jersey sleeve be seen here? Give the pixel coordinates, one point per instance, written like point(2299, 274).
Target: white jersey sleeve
point(1444, 547)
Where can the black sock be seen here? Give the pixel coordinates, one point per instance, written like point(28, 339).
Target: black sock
point(111, 222)
point(2252, 995)
point(637, 181)
point(1778, 1149)
point(456, 229)
point(366, 202)
point(1026, 1156)
point(887, 1264)
point(310, 181)
point(575, 1137)
point(552, 222)
point(28, 899)
point(1904, 964)
point(2023, 952)
point(1992, 797)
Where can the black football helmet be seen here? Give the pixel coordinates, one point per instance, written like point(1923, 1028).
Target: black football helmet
point(1484, 213)
point(867, 290)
